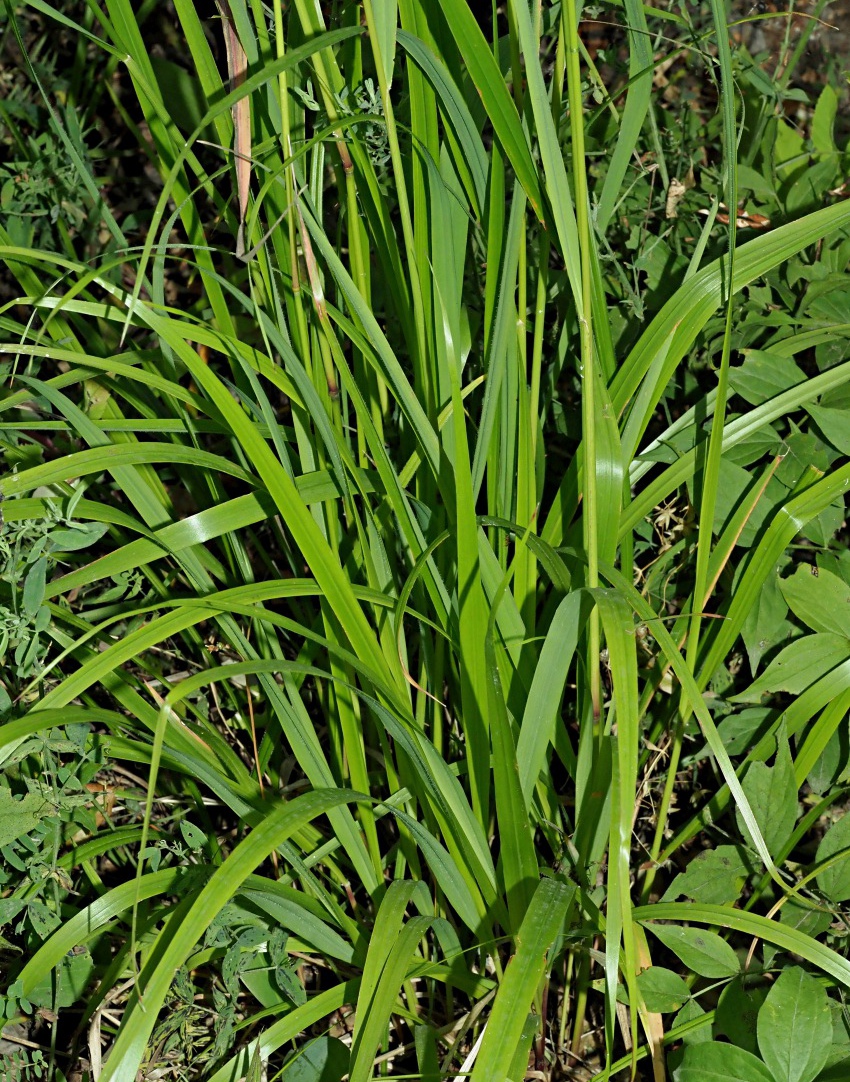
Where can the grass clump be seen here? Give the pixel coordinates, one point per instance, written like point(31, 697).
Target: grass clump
point(424, 576)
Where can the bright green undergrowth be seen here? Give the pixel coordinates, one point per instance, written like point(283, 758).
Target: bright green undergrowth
point(424, 582)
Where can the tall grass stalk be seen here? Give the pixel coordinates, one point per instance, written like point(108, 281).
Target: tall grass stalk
point(331, 458)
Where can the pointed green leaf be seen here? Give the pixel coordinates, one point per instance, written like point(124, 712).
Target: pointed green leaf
point(798, 666)
point(795, 1027)
point(34, 586)
point(701, 951)
point(823, 121)
point(835, 880)
point(765, 621)
point(819, 598)
point(717, 1062)
point(18, 816)
point(751, 924)
point(764, 375)
point(772, 793)
point(662, 990)
point(834, 424)
point(716, 876)
point(736, 1016)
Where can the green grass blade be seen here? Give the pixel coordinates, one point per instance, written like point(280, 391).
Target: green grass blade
point(372, 1024)
point(751, 924)
point(128, 1050)
point(490, 84)
point(634, 112)
point(521, 982)
point(543, 706)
